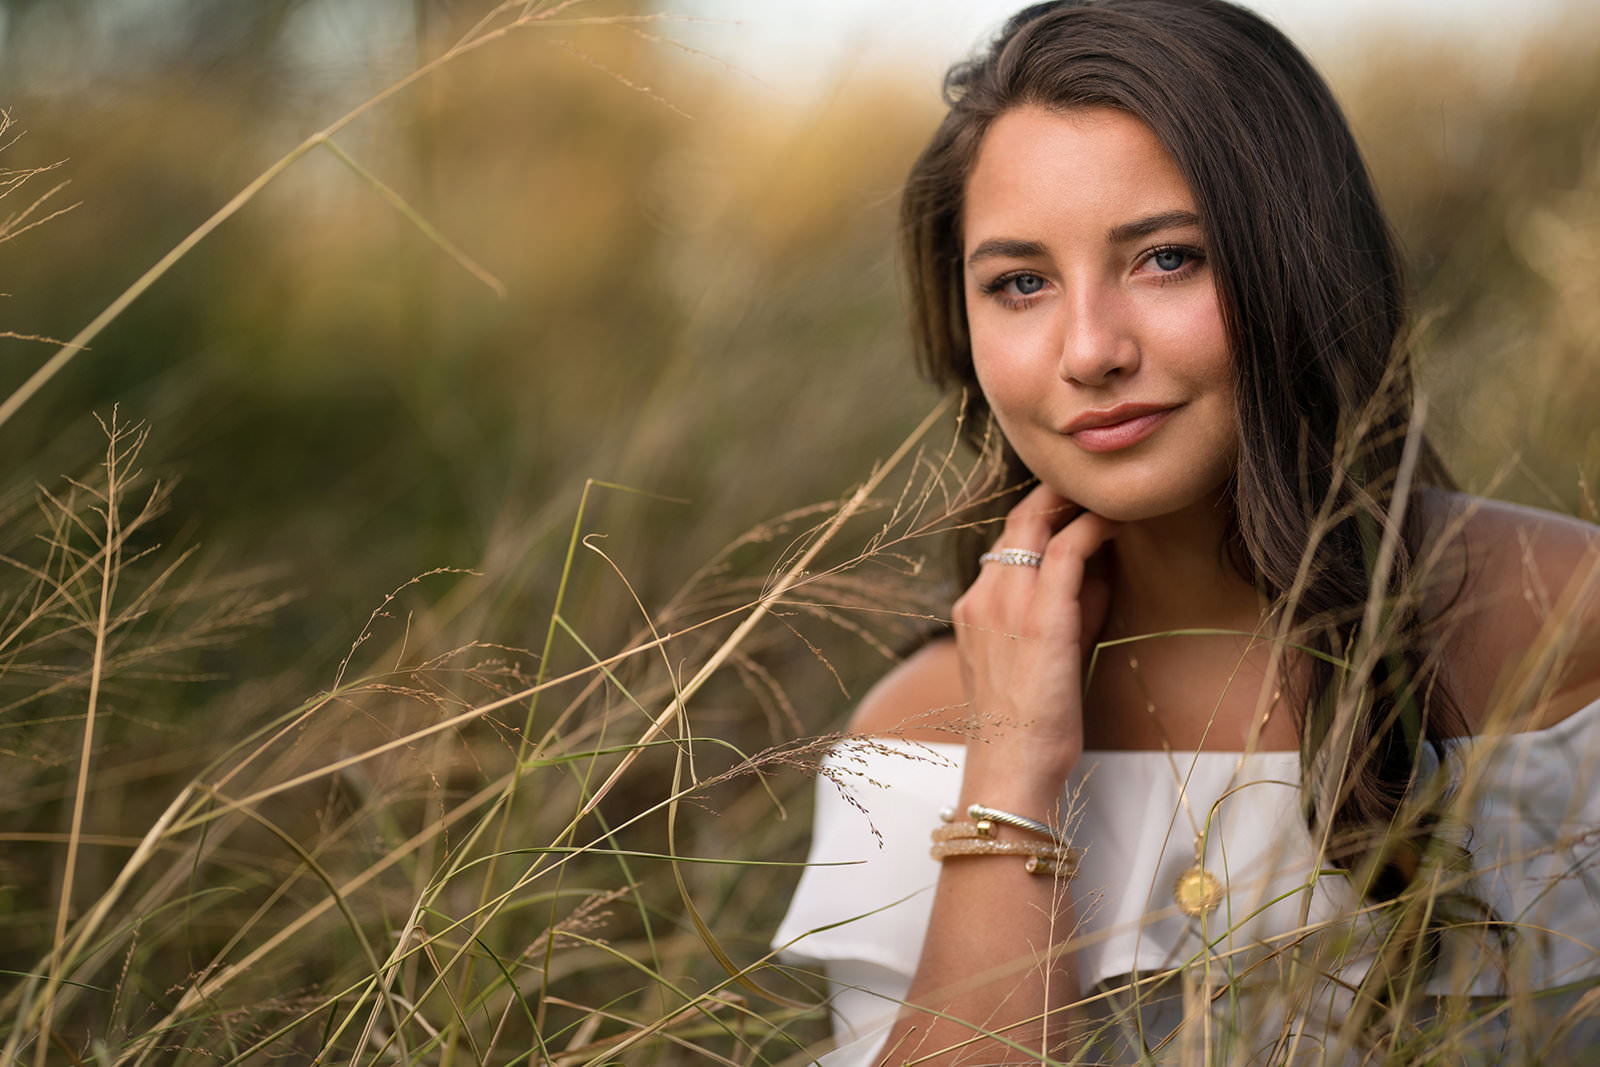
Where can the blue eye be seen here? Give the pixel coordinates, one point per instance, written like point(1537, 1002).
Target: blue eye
point(1169, 259)
point(1016, 291)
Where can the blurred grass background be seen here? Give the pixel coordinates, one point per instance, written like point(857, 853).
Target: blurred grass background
point(700, 303)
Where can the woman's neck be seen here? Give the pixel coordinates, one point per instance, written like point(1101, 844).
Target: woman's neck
point(1174, 572)
point(1220, 691)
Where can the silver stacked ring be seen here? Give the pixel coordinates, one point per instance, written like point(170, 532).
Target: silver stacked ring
point(1012, 557)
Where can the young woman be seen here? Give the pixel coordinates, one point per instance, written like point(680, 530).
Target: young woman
point(1282, 749)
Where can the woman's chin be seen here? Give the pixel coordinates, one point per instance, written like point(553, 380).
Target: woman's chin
point(1132, 506)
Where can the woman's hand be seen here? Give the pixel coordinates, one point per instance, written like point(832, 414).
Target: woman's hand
point(1022, 633)
point(1020, 638)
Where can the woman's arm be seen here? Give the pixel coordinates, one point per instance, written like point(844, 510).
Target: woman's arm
point(991, 962)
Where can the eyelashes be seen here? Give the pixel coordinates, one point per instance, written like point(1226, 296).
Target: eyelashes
point(1193, 260)
point(1163, 264)
point(1009, 289)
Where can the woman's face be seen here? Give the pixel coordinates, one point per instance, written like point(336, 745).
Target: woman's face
point(1096, 334)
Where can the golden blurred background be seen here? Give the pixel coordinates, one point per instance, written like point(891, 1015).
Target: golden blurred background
point(699, 274)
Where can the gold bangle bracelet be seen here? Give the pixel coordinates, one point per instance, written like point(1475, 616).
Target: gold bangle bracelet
point(961, 831)
point(983, 830)
point(1056, 860)
point(1067, 870)
point(967, 846)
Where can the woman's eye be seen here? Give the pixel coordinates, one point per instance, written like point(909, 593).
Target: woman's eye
point(1016, 290)
point(1173, 263)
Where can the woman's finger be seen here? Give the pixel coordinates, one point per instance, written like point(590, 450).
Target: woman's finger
point(1081, 538)
point(1044, 508)
point(1065, 557)
point(1029, 526)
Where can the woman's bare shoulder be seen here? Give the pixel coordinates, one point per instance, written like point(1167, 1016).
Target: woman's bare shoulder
point(1524, 616)
point(919, 700)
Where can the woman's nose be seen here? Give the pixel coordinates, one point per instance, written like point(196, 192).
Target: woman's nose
point(1097, 343)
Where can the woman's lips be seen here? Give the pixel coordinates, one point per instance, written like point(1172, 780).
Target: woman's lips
point(1123, 433)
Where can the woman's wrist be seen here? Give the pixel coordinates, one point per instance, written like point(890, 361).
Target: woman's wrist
point(1031, 795)
point(1023, 758)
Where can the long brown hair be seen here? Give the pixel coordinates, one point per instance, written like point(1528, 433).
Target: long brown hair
point(1312, 294)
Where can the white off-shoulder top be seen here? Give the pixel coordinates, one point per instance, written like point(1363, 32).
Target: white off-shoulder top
point(1533, 838)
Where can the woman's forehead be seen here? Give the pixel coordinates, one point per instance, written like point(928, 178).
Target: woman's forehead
point(1086, 169)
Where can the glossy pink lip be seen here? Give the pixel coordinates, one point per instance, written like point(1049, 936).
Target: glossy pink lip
point(1120, 427)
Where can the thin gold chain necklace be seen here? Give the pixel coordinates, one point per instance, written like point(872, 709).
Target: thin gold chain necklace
point(1196, 892)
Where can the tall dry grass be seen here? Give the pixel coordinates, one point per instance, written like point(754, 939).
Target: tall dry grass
point(546, 802)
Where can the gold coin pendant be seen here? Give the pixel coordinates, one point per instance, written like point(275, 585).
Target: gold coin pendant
point(1197, 892)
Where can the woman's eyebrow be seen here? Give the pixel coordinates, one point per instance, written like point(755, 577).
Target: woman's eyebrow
point(1017, 248)
point(1166, 220)
point(1005, 248)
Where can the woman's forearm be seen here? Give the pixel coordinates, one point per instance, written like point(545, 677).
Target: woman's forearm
point(993, 981)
